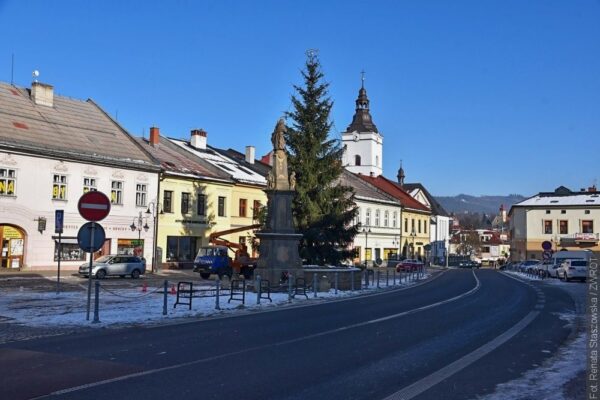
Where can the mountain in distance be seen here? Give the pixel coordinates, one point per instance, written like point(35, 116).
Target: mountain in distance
point(464, 203)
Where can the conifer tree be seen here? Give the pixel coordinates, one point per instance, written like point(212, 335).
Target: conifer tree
point(323, 209)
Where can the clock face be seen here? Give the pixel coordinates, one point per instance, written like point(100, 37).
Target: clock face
point(355, 137)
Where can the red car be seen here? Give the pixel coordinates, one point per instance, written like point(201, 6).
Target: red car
point(409, 265)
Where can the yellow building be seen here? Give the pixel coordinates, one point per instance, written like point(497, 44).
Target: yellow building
point(202, 190)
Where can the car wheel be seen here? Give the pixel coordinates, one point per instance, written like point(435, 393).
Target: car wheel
point(135, 273)
point(204, 275)
point(100, 274)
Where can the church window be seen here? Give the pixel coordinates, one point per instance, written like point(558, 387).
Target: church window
point(357, 160)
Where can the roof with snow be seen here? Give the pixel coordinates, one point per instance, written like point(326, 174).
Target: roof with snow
point(563, 197)
point(230, 166)
point(68, 128)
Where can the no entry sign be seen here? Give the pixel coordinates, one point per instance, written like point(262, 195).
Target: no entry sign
point(94, 206)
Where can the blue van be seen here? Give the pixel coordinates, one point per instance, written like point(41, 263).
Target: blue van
point(213, 260)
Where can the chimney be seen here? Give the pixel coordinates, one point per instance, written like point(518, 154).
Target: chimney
point(154, 136)
point(198, 139)
point(42, 94)
point(592, 189)
point(250, 154)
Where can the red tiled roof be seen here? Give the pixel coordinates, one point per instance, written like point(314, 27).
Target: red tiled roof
point(390, 188)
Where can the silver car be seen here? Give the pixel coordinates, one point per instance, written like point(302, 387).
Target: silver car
point(573, 269)
point(117, 265)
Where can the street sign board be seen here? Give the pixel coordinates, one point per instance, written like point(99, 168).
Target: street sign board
point(93, 206)
point(84, 237)
point(59, 219)
point(546, 255)
point(547, 245)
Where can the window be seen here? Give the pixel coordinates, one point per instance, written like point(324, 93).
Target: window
point(587, 226)
point(405, 224)
point(547, 211)
point(376, 217)
point(8, 179)
point(386, 218)
point(242, 208)
point(424, 226)
point(563, 211)
point(201, 206)
point(130, 247)
point(377, 161)
point(141, 193)
point(59, 187)
point(255, 209)
point(368, 217)
point(185, 203)
point(395, 219)
point(116, 192)
point(412, 223)
point(419, 226)
point(587, 211)
point(564, 227)
point(70, 250)
point(89, 185)
point(181, 248)
point(547, 227)
point(221, 206)
point(168, 201)
point(357, 160)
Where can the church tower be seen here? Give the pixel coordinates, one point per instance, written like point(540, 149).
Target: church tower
point(362, 142)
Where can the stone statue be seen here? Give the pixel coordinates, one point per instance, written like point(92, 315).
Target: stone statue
point(270, 181)
point(293, 181)
point(278, 136)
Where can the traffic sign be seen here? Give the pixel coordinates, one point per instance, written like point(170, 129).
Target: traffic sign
point(94, 206)
point(547, 245)
point(546, 255)
point(59, 219)
point(84, 237)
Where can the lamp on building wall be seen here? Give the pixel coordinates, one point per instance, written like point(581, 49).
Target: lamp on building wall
point(154, 209)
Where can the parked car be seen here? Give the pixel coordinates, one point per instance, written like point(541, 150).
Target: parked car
point(468, 264)
point(409, 265)
point(573, 269)
point(527, 266)
point(115, 265)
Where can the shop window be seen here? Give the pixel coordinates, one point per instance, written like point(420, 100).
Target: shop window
point(141, 194)
point(59, 187)
point(221, 206)
point(130, 247)
point(8, 179)
point(89, 185)
point(242, 208)
point(201, 207)
point(168, 201)
point(181, 248)
point(185, 203)
point(70, 250)
point(116, 192)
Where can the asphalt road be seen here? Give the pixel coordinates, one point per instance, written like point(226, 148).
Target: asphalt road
point(454, 337)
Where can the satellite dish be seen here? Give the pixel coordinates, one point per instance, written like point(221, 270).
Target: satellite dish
point(35, 74)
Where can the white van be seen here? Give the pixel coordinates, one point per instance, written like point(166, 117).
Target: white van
point(560, 256)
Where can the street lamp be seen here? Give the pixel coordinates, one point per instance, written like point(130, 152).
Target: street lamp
point(396, 243)
point(154, 209)
point(366, 230)
point(412, 246)
point(137, 225)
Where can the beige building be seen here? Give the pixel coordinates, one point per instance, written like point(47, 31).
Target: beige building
point(567, 220)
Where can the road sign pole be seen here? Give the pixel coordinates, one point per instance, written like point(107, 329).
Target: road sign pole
point(89, 297)
point(59, 255)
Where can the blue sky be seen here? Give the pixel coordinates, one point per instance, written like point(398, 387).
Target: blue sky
point(477, 97)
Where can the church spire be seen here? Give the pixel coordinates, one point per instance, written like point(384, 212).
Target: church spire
point(362, 121)
point(401, 175)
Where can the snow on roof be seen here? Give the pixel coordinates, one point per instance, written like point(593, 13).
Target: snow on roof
point(584, 199)
point(226, 164)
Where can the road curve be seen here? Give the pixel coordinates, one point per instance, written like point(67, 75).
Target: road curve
point(368, 347)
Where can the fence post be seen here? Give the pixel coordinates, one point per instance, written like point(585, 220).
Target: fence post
point(376, 277)
point(258, 286)
point(394, 275)
point(336, 283)
point(96, 303)
point(290, 277)
point(314, 284)
point(352, 281)
point(165, 291)
point(387, 277)
point(244, 291)
point(218, 294)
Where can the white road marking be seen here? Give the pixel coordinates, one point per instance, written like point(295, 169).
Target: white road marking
point(250, 349)
point(93, 206)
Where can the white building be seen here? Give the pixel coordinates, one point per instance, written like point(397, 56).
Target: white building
point(52, 150)
point(362, 142)
point(565, 219)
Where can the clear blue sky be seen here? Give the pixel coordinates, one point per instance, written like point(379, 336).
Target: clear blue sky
point(478, 97)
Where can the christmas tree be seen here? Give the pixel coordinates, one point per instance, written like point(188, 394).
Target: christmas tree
point(323, 209)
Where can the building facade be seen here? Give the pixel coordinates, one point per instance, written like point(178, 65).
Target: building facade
point(567, 220)
point(52, 150)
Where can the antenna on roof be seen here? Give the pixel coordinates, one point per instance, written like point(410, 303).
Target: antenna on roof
point(12, 69)
point(35, 74)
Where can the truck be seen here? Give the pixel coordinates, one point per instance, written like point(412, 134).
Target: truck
point(214, 258)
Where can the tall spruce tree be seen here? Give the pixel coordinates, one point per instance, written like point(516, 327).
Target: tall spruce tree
point(323, 208)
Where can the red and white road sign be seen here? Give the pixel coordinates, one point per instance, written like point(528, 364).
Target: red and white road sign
point(94, 206)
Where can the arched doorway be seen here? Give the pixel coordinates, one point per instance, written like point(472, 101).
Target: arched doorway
point(12, 246)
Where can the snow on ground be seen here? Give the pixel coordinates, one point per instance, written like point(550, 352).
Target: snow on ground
point(118, 307)
point(547, 381)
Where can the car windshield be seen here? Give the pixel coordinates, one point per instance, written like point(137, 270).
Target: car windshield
point(578, 263)
point(103, 259)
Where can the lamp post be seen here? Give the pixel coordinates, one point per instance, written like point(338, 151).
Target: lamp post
point(154, 209)
point(412, 246)
point(137, 225)
point(366, 230)
point(396, 243)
